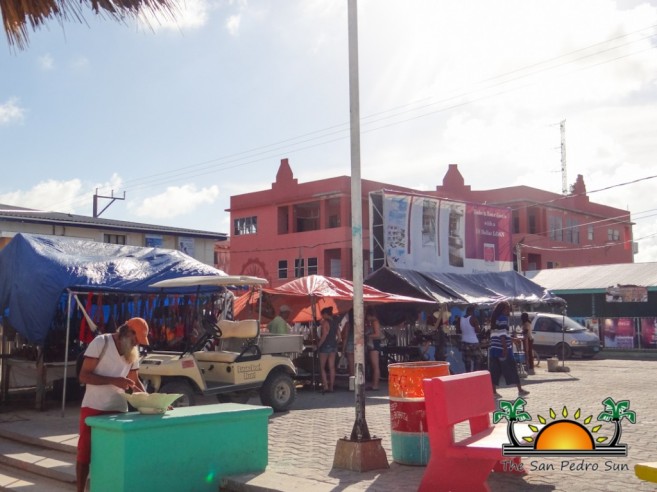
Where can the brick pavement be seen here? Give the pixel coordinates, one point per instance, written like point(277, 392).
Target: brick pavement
point(302, 442)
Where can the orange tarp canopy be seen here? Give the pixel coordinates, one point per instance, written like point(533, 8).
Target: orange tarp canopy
point(307, 296)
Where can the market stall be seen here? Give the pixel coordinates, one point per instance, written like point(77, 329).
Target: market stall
point(307, 296)
point(41, 277)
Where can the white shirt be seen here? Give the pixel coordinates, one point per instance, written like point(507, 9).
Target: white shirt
point(468, 334)
point(111, 364)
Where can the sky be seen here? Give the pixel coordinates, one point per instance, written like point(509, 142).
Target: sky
point(180, 115)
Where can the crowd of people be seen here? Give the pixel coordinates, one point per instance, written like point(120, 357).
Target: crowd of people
point(479, 348)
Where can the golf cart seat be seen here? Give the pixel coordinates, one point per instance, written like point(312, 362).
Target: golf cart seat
point(245, 329)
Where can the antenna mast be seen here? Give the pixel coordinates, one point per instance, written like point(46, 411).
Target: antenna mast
point(564, 172)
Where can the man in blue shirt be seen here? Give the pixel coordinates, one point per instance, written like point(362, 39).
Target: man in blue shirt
point(500, 351)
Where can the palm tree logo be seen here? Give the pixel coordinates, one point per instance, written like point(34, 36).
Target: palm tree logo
point(615, 412)
point(512, 412)
point(565, 436)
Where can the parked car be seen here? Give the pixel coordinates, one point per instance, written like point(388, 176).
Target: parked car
point(556, 334)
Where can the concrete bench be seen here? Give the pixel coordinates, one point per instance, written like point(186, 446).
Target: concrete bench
point(463, 465)
point(185, 449)
point(646, 471)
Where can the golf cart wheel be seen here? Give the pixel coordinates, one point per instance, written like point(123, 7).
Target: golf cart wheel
point(188, 399)
point(278, 391)
point(563, 351)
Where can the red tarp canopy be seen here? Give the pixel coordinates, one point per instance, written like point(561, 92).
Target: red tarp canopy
point(315, 291)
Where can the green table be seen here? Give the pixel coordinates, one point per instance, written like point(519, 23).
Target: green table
point(186, 449)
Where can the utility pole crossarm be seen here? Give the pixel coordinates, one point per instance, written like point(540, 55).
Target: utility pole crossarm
point(113, 198)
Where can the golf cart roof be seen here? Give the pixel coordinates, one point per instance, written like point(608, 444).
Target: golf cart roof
point(222, 281)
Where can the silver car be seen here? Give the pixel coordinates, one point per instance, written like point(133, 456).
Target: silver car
point(555, 334)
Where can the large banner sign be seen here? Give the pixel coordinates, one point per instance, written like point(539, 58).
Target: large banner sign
point(431, 234)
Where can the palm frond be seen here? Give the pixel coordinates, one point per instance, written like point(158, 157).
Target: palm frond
point(18, 15)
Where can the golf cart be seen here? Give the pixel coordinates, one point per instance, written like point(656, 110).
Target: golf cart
point(254, 364)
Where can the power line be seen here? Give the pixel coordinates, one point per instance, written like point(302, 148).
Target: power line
point(168, 176)
point(587, 248)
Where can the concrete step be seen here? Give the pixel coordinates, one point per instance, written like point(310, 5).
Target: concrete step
point(44, 461)
point(14, 479)
point(66, 443)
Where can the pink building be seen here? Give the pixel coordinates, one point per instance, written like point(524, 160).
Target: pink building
point(553, 230)
point(296, 229)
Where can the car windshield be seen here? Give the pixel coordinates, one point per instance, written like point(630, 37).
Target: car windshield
point(571, 325)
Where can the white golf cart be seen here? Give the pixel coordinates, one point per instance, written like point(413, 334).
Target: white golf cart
point(252, 363)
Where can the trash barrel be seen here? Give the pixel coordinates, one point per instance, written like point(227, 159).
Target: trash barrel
point(552, 364)
point(408, 418)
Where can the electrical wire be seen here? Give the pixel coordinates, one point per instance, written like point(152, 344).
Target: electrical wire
point(207, 167)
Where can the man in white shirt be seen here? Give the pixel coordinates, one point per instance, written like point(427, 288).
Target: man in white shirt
point(110, 367)
point(470, 348)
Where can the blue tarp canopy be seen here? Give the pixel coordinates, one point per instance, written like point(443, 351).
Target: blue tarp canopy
point(462, 288)
point(36, 270)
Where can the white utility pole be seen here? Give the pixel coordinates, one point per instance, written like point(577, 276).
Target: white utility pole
point(360, 452)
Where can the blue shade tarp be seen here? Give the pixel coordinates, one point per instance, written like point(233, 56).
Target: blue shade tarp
point(36, 270)
point(463, 288)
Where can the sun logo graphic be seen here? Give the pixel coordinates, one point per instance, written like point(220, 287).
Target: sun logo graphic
point(564, 436)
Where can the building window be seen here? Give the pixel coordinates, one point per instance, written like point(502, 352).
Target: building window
point(552, 264)
point(283, 220)
point(299, 267)
point(572, 231)
point(516, 222)
point(333, 212)
point(590, 233)
point(532, 221)
point(613, 235)
point(246, 225)
point(114, 238)
point(282, 268)
point(306, 217)
point(556, 228)
point(312, 266)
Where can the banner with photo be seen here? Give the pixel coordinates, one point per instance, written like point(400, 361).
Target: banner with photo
point(431, 234)
point(619, 333)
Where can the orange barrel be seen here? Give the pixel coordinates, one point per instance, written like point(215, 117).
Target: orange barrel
point(408, 417)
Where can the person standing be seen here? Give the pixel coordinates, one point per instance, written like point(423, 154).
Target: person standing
point(500, 352)
point(528, 340)
point(279, 324)
point(110, 367)
point(373, 345)
point(347, 336)
point(470, 348)
point(327, 348)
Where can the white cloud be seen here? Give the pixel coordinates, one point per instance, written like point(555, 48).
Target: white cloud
point(11, 112)
point(175, 201)
point(49, 195)
point(189, 14)
point(233, 24)
point(46, 62)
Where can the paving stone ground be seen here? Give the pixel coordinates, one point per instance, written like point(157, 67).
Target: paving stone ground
point(302, 442)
